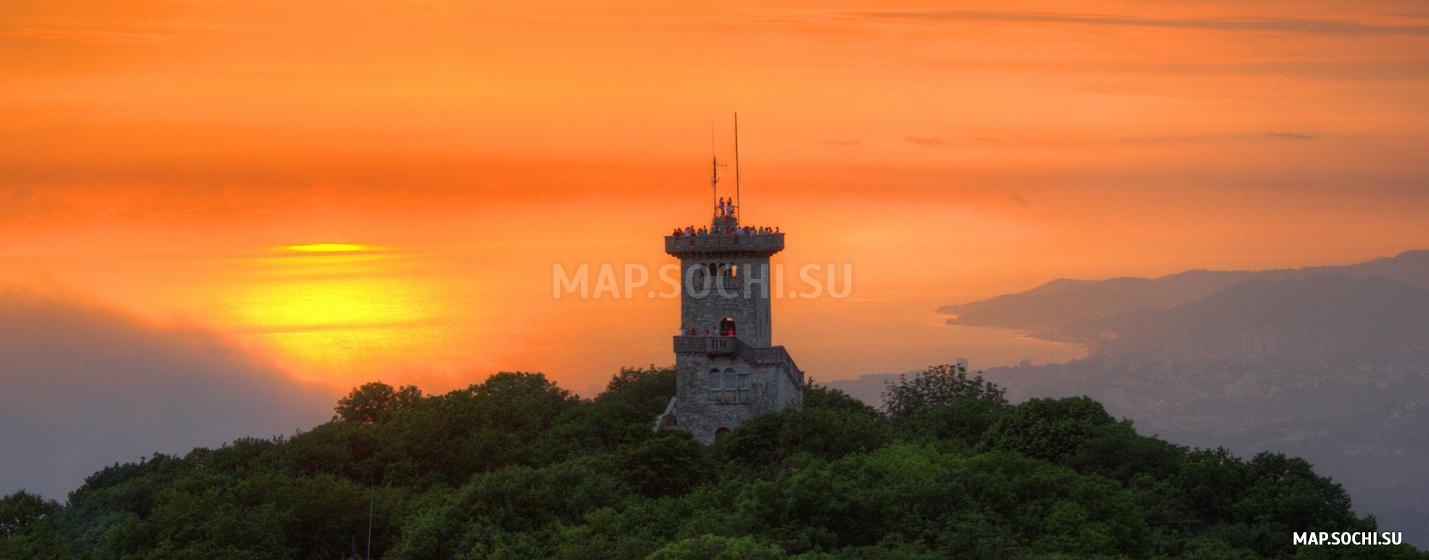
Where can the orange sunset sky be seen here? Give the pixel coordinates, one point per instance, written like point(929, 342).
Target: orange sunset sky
point(172, 160)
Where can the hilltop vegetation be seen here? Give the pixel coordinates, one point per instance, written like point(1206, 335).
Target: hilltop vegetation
point(517, 467)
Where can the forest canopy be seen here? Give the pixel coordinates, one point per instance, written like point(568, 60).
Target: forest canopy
point(518, 467)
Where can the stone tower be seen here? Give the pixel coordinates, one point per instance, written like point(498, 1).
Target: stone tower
point(726, 369)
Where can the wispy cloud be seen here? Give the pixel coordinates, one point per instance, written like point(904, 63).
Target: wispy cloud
point(843, 142)
point(21, 202)
point(87, 36)
point(1197, 138)
point(1287, 136)
point(319, 327)
point(926, 140)
point(1262, 24)
point(1391, 69)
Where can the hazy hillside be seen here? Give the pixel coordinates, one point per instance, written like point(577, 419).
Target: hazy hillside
point(1334, 318)
point(1049, 308)
point(1409, 267)
point(1059, 302)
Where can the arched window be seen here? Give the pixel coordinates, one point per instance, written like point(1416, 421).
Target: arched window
point(716, 383)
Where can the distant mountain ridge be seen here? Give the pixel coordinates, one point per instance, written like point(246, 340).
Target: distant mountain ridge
point(1324, 317)
point(1048, 310)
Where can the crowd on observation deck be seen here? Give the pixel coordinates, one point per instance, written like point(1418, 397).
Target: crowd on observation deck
point(746, 231)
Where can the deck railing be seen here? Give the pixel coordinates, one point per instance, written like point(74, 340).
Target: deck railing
point(705, 344)
point(720, 243)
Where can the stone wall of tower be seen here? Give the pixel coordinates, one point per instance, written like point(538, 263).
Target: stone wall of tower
point(704, 412)
point(745, 296)
point(709, 293)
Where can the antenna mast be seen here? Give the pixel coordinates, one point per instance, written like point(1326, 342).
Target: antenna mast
point(714, 181)
point(736, 163)
point(714, 170)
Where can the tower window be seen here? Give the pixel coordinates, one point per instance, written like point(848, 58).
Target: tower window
point(728, 386)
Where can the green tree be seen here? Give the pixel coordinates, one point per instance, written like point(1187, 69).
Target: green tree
point(992, 505)
point(936, 386)
point(208, 515)
point(22, 510)
point(770, 439)
point(1117, 452)
point(670, 462)
point(1285, 495)
point(521, 402)
point(493, 510)
point(648, 390)
point(1051, 429)
point(963, 421)
point(818, 396)
point(375, 402)
point(27, 527)
point(715, 547)
point(103, 512)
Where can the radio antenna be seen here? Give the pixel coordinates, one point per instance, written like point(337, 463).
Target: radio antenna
point(736, 164)
point(714, 170)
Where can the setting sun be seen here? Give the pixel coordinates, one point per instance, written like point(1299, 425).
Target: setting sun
point(331, 248)
point(340, 308)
